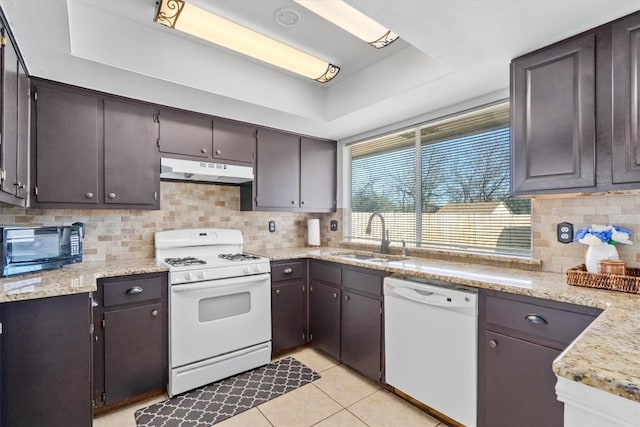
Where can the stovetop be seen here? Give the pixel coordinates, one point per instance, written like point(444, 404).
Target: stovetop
point(203, 254)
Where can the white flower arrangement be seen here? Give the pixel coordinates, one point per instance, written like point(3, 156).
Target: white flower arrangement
point(597, 234)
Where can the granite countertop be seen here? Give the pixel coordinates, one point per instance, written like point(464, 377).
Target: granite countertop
point(605, 356)
point(70, 279)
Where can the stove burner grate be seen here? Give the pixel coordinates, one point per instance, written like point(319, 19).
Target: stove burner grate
point(238, 257)
point(184, 261)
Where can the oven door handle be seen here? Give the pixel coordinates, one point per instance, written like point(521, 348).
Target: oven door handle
point(244, 280)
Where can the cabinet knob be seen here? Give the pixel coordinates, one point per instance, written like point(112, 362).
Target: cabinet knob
point(536, 319)
point(302, 202)
point(22, 187)
point(203, 150)
point(335, 295)
point(493, 343)
point(135, 290)
point(287, 270)
point(293, 202)
point(218, 152)
point(112, 195)
point(277, 291)
point(89, 195)
point(347, 297)
point(154, 312)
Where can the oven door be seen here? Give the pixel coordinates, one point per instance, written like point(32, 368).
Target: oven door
point(215, 317)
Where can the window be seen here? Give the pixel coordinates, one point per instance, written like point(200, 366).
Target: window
point(444, 185)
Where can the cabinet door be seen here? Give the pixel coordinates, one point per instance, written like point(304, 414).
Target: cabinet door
point(324, 318)
point(626, 99)
point(130, 161)
point(68, 141)
point(46, 362)
point(287, 315)
point(24, 94)
point(516, 383)
point(361, 334)
point(553, 126)
point(135, 355)
point(317, 174)
point(233, 141)
point(185, 133)
point(9, 116)
point(277, 170)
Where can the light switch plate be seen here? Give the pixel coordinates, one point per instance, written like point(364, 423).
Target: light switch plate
point(272, 226)
point(333, 225)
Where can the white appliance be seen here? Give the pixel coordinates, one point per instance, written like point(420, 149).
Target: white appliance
point(219, 306)
point(431, 344)
point(195, 170)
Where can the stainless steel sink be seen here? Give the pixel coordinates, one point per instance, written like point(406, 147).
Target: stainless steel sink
point(359, 257)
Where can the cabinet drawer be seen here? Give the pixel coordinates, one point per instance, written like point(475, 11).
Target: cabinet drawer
point(132, 290)
point(544, 325)
point(360, 281)
point(326, 272)
point(287, 271)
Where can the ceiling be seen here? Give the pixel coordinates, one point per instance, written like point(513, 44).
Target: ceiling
point(452, 54)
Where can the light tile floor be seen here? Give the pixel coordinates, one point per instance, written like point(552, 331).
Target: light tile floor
point(340, 398)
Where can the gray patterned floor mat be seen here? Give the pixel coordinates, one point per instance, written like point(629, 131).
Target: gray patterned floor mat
point(223, 399)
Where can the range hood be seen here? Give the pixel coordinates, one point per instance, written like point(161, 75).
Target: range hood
point(193, 170)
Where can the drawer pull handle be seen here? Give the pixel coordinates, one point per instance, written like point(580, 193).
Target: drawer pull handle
point(277, 291)
point(288, 270)
point(154, 312)
point(493, 343)
point(335, 295)
point(536, 319)
point(135, 290)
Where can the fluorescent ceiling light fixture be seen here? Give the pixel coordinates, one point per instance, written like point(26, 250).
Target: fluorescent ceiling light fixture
point(351, 20)
point(198, 22)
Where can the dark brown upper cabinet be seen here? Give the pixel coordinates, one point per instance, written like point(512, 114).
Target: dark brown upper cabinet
point(293, 173)
point(553, 125)
point(93, 150)
point(574, 113)
point(625, 40)
point(185, 133)
point(130, 163)
point(277, 170)
point(191, 135)
point(15, 124)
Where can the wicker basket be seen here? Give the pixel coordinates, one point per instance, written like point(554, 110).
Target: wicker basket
point(578, 276)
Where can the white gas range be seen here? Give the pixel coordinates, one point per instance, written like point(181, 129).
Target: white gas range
point(219, 306)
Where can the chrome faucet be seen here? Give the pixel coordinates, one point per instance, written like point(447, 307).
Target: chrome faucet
point(384, 243)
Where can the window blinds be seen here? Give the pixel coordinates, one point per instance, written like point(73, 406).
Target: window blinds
point(461, 201)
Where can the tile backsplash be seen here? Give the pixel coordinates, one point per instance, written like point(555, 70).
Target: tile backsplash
point(124, 234)
point(582, 211)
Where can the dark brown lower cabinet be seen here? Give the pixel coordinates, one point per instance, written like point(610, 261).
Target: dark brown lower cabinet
point(287, 316)
point(46, 362)
point(518, 339)
point(324, 318)
point(288, 304)
point(130, 356)
point(520, 386)
point(361, 334)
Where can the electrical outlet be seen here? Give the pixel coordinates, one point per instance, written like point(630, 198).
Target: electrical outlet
point(333, 225)
point(272, 226)
point(564, 232)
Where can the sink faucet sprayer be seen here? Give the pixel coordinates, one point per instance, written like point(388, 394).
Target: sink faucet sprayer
point(384, 243)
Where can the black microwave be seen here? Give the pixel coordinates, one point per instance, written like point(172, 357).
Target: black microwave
point(26, 249)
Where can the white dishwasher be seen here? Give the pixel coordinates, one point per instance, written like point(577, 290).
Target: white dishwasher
point(431, 344)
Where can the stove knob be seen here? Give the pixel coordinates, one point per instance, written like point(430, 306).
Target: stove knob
point(201, 274)
point(187, 275)
point(247, 269)
point(256, 268)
